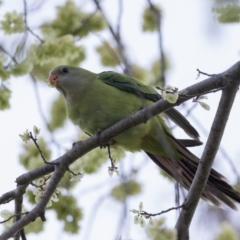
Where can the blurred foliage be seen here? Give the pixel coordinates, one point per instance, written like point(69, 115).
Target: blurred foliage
point(22, 68)
point(5, 94)
point(94, 160)
point(31, 158)
point(34, 227)
point(237, 186)
point(109, 55)
point(68, 212)
point(76, 22)
point(13, 23)
point(141, 74)
point(228, 14)
point(157, 71)
point(158, 231)
point(123, 190)
point(227, 233)
point(4, 73)
point(55, 51)
point(149, 19)
point(164, 174)
point(58, 113)
point(57, 42)
point(66, 209)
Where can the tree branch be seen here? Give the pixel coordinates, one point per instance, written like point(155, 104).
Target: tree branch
point(231, 78)
point(7, 197)
point(117, 37)
point(160, 41)
point(18, 208)
point(210, 151)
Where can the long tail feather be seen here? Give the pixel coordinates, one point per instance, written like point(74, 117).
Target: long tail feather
point(190, 142)
point(182, 122)
point(184, 169)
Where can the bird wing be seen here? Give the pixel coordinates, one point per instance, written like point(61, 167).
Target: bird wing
point(131, 85)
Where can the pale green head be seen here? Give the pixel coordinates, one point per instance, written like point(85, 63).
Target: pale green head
point(68, 79)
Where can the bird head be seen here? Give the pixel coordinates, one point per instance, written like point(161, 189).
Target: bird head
point(64, 78)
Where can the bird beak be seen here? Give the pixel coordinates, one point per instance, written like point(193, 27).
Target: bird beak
point(53, 80)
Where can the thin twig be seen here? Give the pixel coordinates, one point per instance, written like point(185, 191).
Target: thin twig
point(41, 112)
point(117, 37)
point(160, 41)
point(26, 24)
point(35, 35)
point(34, 139)
point(203, 73)
point(9, 55)
point(104, 42)
point(19, 214)
point(25, 13)
point(120, 12)
point(42, 185)
point(144, 213)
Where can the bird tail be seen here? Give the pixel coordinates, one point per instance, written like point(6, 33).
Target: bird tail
point(183, 170)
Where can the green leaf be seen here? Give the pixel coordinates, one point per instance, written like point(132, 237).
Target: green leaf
point(157, 70)
point(109, 55)
point(141, 74)
point(5, 95)
point(68, 212)
point(123, 190)
point(4, 72)
point(54, 52)
point(31, 158)
point(157, 230)
point(227, 233)
point(164, 174)
point(22, 68)
point(228, 14)
point(76, 22)
point(58, 113)
point(149, 19)
point(34, 227)
point(13, 23)
point(94, 160)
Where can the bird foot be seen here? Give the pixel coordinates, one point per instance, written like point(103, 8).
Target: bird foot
point(103, 144)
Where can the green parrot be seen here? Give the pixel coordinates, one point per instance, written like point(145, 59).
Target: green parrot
point(97, 101)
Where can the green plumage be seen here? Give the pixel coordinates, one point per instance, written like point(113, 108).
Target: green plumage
point(97, 101)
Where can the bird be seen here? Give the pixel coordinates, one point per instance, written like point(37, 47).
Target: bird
point(95, 101)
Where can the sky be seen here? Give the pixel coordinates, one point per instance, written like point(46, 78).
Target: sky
point(192, 38)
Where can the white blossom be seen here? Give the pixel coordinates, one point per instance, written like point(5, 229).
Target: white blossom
point(36, 130)
point(142, 222)
point(140, 206)
point(25, 136)
point(77, 177)
point(204, 105)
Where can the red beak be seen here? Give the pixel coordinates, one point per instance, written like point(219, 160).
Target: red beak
point(53, 79)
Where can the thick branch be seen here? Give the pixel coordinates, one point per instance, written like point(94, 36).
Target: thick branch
point(80, 148)
point(7, 197)
point(18, 208)
point(210, 151)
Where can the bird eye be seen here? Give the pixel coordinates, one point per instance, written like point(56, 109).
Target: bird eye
point(65, 70)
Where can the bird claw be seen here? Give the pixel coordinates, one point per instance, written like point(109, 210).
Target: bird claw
point(74, 143)
point(102, 144)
